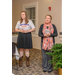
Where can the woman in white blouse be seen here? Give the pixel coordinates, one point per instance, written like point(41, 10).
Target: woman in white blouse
point(24, 40)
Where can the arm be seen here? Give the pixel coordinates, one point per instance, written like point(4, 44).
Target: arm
point(24, 31)
point(55, 32)
point(17, 30)
point(31, 30)
point(40, 31)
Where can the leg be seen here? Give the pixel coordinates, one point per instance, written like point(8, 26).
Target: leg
point(27, 57)
point(21, 57)
point(45, 58)
point(27, 52)
point(50, 66)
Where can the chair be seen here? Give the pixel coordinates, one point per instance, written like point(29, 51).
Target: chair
point(13, 48)
point(15, 53)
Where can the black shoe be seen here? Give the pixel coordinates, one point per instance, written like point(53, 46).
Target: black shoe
point(49, 71)
point(44, 71)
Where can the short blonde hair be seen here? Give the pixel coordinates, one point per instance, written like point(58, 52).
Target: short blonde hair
point(49, 16)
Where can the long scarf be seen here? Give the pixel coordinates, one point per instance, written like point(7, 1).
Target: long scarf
point(47, 41)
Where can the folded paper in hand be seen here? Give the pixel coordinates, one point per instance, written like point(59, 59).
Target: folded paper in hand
point(47, 31)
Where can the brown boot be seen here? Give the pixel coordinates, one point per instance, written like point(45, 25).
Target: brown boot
point(20, 61)
point(27, 61)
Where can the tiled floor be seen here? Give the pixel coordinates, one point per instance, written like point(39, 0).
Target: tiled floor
point(35, 67)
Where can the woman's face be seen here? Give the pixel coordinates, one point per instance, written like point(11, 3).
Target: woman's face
point(47, 19)
point(23, 15)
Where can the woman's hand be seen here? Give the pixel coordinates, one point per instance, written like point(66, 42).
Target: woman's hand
point(48, 34)
point(25, 31)
point(21, 30)
point(17, 30)
point(45, 35)
point(31, 30)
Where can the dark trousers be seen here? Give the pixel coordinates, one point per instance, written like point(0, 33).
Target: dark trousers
point(45, 58)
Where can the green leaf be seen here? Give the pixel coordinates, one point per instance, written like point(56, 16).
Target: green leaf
point(57, 56)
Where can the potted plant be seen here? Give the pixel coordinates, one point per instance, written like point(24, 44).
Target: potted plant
point(57, 57)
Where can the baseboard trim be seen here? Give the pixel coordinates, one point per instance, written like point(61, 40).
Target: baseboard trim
point(35, 49)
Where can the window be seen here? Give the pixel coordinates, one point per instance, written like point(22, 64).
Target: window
point(32, 11)
point(31, 14)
